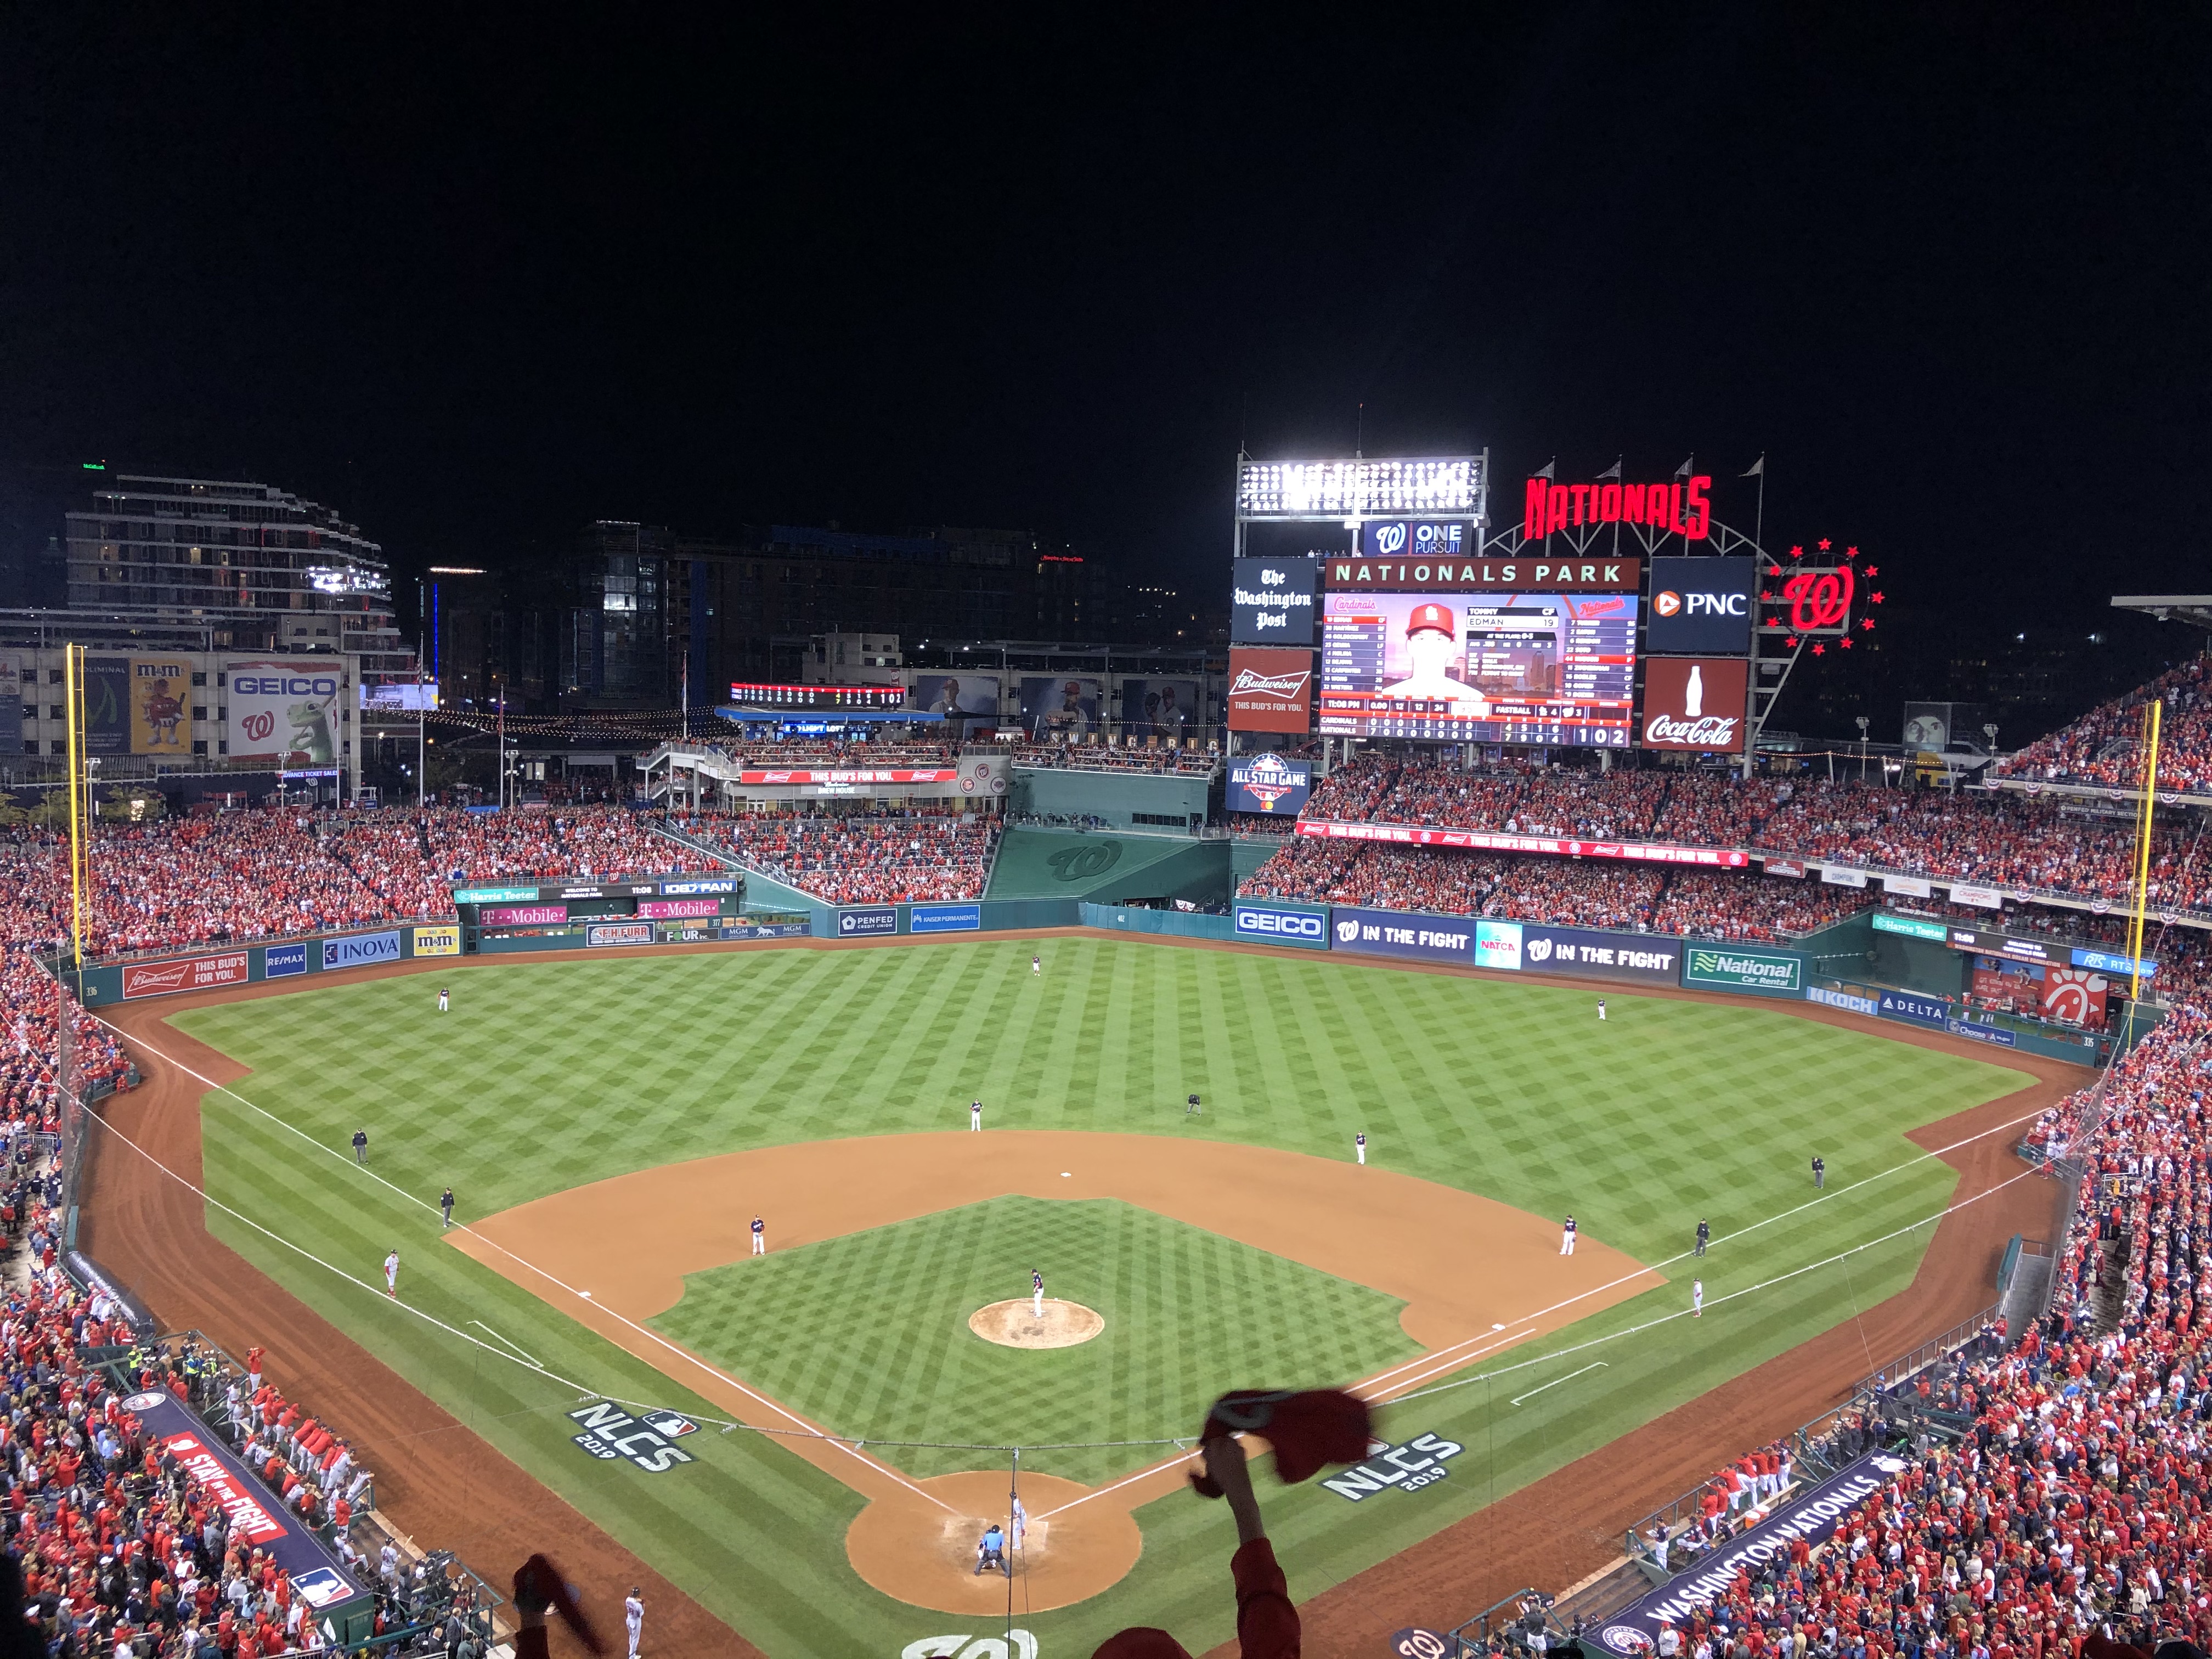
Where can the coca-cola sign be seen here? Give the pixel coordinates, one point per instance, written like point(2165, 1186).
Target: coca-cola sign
point(1695, 703)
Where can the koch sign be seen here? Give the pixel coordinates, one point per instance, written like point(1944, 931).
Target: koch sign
point(1525, 947)
point(1273, 602)
point(859, 924)
point(1700, 606)
point(1276, 924)
point(1815, 1518)
point(358, 949)
point(1394, 934)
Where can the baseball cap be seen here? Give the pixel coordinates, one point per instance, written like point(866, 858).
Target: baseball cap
point(1438, 617)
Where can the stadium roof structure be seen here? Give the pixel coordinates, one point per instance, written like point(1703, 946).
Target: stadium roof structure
point(2169, 607)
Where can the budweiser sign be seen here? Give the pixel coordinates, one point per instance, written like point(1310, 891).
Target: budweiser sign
point(154, 979)
point(878, 774)
point(1695, 703)
point(1270, 690)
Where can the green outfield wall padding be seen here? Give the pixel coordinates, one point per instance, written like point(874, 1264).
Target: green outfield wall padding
point(1047, 791)
point(1068, 863)
point(1178, 924)
point(765, 893)
point(1917, 965)
point(1836, 946)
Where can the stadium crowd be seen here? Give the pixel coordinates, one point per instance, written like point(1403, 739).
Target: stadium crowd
point(876, 859)
point(2068, 1499)
point(2103, 747)
point(1985, 838)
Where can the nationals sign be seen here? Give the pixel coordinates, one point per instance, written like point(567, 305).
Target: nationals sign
point(154, 979)
point(1694, 703)
point(1714, 858)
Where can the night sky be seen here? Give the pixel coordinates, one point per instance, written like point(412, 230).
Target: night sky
point(475, 283)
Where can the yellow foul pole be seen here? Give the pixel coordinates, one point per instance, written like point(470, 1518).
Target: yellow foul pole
point(73, 691)
point(2142, 848)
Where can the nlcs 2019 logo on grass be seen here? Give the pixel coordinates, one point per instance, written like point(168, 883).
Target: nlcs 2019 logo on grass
point(611, 1432)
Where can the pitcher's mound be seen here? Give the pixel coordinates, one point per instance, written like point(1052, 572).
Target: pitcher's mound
point(1012, 1325)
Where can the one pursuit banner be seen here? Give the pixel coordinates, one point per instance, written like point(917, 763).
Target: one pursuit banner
point(1815, 1518)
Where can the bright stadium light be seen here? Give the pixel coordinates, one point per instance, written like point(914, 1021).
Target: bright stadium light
point(1446, 486)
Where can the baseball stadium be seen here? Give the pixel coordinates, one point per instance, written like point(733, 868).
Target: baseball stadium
point(817, 1182)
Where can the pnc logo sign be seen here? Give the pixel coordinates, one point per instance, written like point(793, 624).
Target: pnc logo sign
point(1671, 603)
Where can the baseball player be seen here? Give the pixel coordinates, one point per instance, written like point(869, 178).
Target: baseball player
point(1705, 1235)
point(633, 1618)
point(1601, 1007)
point(254, 1369)
point(441, 1000)
point(975, 1116)
point(1020, 1523)
point(446, 1204)
point(392, 1276)
point(1696, 1298)
point(1359, 1146)
point(1037, 966)
point(1820, 1172)
point(760, 1237)
point(361, 1145)
point(1567, 1237)
point(1036, 1293)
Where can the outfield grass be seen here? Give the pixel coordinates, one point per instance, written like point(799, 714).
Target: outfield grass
point(906, 1368)
point(546, 1076)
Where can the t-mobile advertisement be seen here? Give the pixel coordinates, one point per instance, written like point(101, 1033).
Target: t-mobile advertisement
point(1400, 934)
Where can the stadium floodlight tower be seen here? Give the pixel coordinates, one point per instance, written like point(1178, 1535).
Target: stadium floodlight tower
point(1310, 508)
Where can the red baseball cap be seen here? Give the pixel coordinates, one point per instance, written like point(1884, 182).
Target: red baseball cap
point(1438, 617)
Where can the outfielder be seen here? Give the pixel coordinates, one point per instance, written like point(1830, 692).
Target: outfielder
point(441, 999)
point(1036, 1293)
point(633, 1618)
point(760, 1237)
point(1601, 1007)
point(1567, 1237)
point(1037, 966)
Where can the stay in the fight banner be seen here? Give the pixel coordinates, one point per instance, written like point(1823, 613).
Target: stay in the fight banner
point(1814, 1517)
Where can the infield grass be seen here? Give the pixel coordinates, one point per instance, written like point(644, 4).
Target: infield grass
point(545, 1076)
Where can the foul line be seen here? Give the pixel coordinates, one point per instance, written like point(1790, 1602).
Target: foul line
point(1595, 1365)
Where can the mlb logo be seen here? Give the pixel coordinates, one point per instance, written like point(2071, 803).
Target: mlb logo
point(668, 1424)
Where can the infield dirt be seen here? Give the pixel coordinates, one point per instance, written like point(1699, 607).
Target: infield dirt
point(441, 1482)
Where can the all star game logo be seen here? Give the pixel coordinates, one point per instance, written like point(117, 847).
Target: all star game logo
point(1268, 778)
point(647, 1439)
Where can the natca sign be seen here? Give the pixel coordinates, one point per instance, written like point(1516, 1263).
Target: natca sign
point(1695, 703)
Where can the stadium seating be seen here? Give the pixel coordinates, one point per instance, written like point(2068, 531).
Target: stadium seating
point(2075, 1502)
point(2104, 746)
point(863, 860)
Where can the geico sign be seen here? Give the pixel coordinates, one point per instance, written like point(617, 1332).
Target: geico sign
point(1671, 603)
point(1706, 732)
point(1280, 924)
point(285, 685)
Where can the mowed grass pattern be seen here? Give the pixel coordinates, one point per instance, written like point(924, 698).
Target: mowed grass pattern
point(905, 1366)
point(546, 1076)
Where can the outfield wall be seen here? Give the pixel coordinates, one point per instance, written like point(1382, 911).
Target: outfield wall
point(1122, 801)
point(249, 964)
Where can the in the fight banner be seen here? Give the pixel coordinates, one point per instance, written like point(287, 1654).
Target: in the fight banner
point(1812, 1518)
point(1711, 858)
point(257, 1518)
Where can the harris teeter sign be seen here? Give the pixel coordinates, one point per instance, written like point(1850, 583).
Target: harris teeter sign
point(1730, 967)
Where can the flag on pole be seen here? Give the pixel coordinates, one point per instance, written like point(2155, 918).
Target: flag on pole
point(1613, 472)
point(1548, 470)
point(1758, 469)
point(1683, 470)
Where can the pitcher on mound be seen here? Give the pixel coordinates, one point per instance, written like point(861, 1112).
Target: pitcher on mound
point(1036, 1293)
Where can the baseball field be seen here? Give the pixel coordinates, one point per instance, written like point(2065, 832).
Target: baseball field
point(610, 1128)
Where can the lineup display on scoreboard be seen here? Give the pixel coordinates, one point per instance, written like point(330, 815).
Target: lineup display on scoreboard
point(1481, 667)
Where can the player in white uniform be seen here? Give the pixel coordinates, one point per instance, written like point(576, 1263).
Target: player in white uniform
point(1696, 1298)
point(1021, 1523)
point(392, 1276)
point(1567, 1237)
point(1037, 966)
point(1359, 1146)
point(1036, 1293)
point(634, 1619)
point(975, 1116)
point(441, 999)
point(1601, 1007)
point(760, 1237)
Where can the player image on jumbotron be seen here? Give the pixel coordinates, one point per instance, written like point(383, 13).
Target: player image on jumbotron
point(1431, 650)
